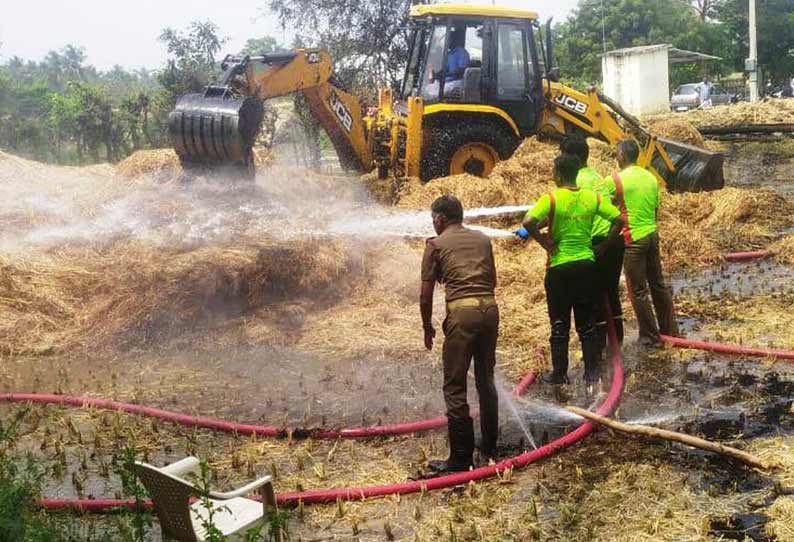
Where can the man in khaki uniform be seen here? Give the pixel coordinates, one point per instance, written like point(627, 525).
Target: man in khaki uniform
point(462, 260)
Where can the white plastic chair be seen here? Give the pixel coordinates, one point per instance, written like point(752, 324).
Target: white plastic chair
point(233, 514)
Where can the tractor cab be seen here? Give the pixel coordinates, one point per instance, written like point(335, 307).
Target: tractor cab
point(477, 58)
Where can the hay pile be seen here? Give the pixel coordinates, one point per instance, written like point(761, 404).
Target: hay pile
point(678, 130)
point(768, 111)
point(697, 227)
point(39, 195)
point(164, 164)
point(150, 161)
point(133, 293)
point(784, 249)
point(518, 180)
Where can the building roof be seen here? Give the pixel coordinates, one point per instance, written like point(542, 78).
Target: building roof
point(643, 49)
point(681, 56)
point(422, 10)
point(676, 56)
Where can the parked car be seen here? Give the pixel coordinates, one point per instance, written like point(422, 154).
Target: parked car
point(784, 90)
point(687, 97)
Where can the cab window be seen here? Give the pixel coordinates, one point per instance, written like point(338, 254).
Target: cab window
point(474, 44)
point(512, 75)
point(412, 73)
point(435, 60)
point(452, 68)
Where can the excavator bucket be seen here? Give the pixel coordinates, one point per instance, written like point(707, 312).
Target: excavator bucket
point(215, 126)
point(696, 169)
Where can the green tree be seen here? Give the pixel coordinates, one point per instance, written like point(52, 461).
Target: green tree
point(192, 57)
point(703, 8)
point(775, 20)
point(24, 121)
point(258, 46)
point(62, 109)
point(627, 23)
point(368, 39)
point(190, 66)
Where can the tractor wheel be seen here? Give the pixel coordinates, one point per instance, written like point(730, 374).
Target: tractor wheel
point(472, 148)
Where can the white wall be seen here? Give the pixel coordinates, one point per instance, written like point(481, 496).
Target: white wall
point(638, 80)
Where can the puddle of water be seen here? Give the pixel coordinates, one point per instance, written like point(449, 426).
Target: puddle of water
point(713, 396)
point(740, 527)
point(742, 279)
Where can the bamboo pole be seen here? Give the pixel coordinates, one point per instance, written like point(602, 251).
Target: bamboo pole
point(689, 440)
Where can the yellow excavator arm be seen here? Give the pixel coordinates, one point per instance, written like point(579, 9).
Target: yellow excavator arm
point(339, 112)
point(594, 114)
point(220, 124)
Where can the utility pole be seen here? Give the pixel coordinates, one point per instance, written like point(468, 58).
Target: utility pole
point(603, 28)
point(751, 64)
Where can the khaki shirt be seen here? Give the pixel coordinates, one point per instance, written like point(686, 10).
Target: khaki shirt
point(462, 260)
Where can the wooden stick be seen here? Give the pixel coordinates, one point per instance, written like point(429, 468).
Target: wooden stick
point(689, 440)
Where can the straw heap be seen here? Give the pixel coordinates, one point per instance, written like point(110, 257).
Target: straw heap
point(133, 293)
point(768, 111)
point(703, 225)
point(165, 164)
point(678, 130)
point(520, 179)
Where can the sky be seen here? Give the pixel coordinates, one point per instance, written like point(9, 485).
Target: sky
point(125, 33)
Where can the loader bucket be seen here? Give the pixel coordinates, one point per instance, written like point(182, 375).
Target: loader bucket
point(215, 127)
point(696, 169)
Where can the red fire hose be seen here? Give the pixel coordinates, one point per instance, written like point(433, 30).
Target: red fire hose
point(357, 493)
point(733, 349)
point(747, 256)
point(244, 428)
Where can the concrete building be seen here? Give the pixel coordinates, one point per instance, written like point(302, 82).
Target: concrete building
point(638, 78)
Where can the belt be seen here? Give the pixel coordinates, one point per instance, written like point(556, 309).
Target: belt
point(472, 302)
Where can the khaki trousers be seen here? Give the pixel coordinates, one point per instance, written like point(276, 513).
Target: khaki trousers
point(471, 333)
point(642, 265)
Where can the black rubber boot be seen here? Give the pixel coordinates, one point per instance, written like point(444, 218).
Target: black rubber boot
point(489, 429)
point(601, 340)
point(461, 447)
point(592, 356)
point(559, 361)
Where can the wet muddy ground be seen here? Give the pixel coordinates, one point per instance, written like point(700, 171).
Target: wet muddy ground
point(768, 163)
point(736, 280)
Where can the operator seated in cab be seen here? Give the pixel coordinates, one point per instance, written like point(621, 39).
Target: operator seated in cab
point(458, 60)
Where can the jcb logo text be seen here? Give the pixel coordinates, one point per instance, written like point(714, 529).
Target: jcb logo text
point(341, 112)
point(571, 103)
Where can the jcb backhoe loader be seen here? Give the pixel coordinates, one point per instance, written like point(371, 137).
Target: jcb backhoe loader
point(478, 80)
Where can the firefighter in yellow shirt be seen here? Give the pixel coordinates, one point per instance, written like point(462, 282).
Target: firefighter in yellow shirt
point(635, 190)
point(609, 255)
point(570, 276)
